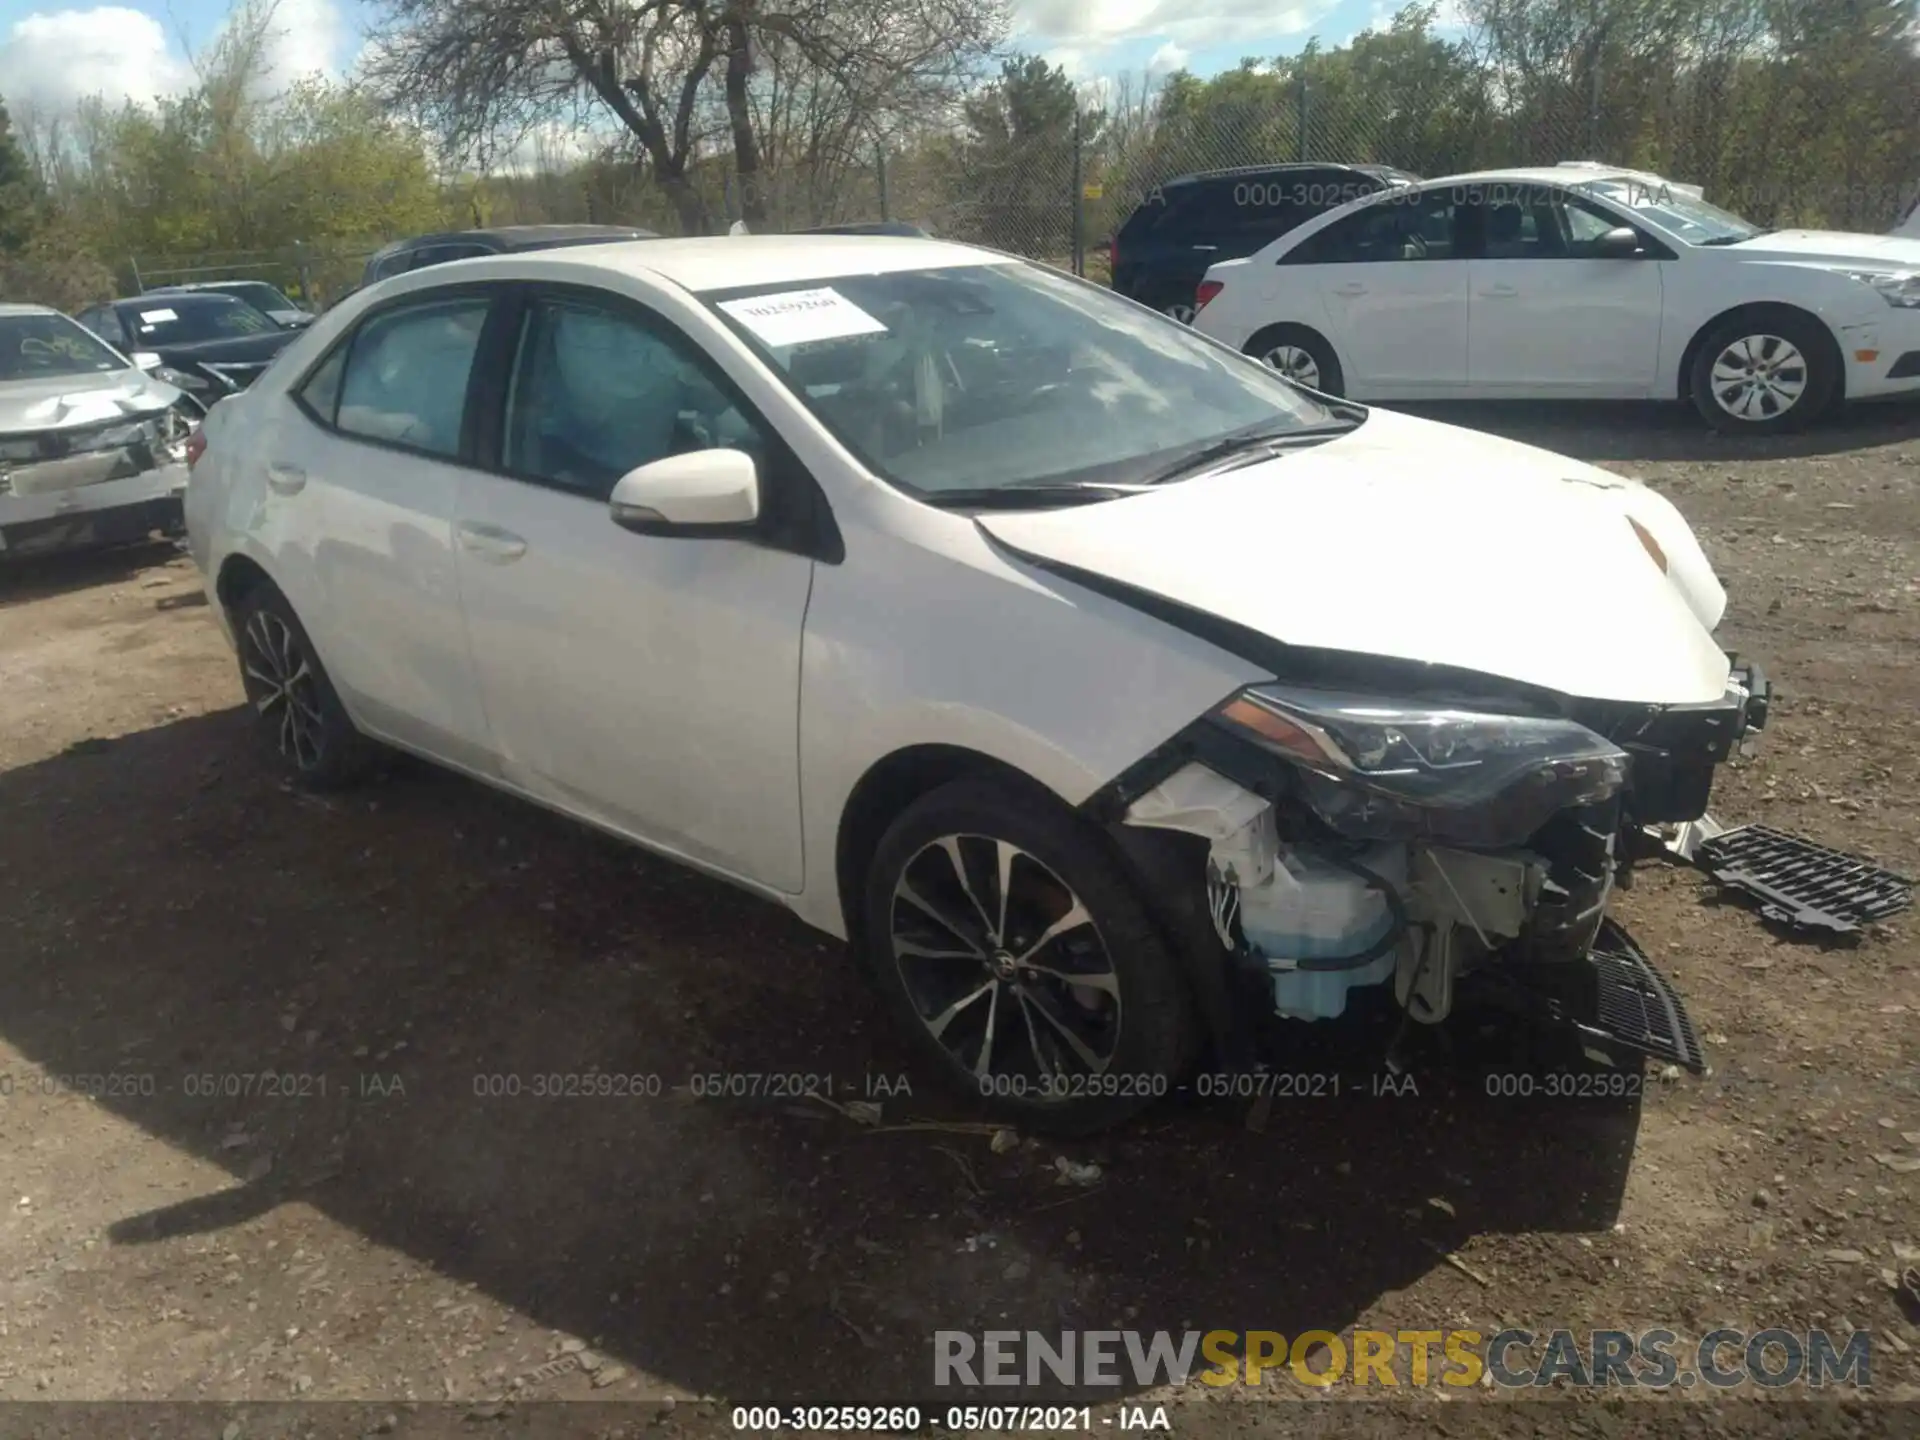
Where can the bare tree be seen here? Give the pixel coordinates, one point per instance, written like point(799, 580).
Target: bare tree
point(681, 77)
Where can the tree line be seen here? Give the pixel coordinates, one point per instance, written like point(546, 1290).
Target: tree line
point(683, 115)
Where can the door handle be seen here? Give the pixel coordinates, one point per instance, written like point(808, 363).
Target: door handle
point(284, 479)
point(1500, 292)
point(1352, 287)
point(490, 542)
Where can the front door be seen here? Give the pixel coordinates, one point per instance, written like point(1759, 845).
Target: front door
point(650, 682)
point(1549, 316)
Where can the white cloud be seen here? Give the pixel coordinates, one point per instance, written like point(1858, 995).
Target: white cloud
point(1168, 58)
point(1099, 24)
point(49, 60)
point(303, 38)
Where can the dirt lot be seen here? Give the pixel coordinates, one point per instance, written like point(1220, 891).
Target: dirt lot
point(375, 1219)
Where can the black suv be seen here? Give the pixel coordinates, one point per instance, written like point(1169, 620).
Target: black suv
point(424, 250)
point(1186, 224)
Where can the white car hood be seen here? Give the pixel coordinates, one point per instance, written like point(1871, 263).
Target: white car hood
point(1830, 245)
point(1424, 542)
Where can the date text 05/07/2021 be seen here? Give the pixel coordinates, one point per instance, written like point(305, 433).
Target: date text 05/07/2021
point(950, 1419)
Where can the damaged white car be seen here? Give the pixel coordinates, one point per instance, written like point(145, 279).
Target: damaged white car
point(1110, 693)
point(92, 448)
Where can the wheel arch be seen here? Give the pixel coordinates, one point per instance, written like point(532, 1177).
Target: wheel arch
point(1156, 862)
point(1758, 310)
point(239, 576)
point(884, 792)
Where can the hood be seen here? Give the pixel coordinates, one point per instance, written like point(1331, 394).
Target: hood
point(1831, 245)
point(60, 401)
point(246, 349)
point(1417, 541)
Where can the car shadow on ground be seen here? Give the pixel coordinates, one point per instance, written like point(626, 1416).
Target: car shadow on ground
point(1611, 431)
point(352, 1002)
point(25, 579)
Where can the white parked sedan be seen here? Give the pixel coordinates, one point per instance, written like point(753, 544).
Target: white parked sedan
point(1576, 284)
point(1091, 679)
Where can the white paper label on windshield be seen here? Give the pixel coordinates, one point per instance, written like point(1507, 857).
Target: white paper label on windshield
point(795, 317)
point(157, 317)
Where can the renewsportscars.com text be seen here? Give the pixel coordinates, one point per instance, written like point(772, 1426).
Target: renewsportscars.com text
point(1510, 1359)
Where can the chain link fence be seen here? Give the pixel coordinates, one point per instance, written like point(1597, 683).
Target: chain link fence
point(1778, 146)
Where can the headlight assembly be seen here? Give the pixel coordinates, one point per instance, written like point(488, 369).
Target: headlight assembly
point(180, 380)
point(1900, 287)
point(1381, 769)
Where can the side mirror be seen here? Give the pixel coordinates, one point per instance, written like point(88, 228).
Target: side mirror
point(699, 490)
point(145, 359)
point(1619, 243)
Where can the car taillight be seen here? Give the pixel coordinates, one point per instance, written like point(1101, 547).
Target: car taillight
point(196, 447)
point(1208, 289)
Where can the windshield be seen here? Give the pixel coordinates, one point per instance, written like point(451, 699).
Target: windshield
point(177, 320)
point(1005, 377)
point(260, 295)
point(1694, 221)
point(34, 347)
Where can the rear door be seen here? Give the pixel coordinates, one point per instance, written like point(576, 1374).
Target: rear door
point(1388, 288)
point(363, 464)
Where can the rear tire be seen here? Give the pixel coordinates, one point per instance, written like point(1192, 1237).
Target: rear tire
point(1302, 355)
point(1765, 373)
point(296, 711)
point(1011, 945)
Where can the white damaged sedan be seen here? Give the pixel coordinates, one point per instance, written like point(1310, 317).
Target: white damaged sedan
point(1108, 692)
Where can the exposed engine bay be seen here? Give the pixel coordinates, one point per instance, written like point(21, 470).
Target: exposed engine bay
point(1414, 844)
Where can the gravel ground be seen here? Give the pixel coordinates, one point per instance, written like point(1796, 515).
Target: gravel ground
point(306, 1175)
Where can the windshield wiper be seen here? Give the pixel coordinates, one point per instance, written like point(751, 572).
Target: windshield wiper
point(1250, 447)
point(1028, 497)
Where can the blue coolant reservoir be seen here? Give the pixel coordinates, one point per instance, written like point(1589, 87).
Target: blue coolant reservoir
point(1311, 909)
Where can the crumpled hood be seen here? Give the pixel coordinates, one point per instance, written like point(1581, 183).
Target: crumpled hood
point(1419, 541)
point(1831, 246)
point(59, 401)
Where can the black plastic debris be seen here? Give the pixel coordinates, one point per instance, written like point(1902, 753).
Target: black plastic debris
point(1637, 1007)
point(1801, 884)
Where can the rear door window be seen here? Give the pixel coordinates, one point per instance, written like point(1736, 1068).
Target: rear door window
point(406, 375)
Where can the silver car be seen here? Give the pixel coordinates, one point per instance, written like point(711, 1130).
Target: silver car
point(93, 449)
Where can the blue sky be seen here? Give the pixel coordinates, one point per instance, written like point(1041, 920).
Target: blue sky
point(54, 51)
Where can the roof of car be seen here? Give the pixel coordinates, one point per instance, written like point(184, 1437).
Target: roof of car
point(1284, 167)
point(188, 286)
point(177, 297)
point(724, 262)
point(1568, 175)
point(516, 237)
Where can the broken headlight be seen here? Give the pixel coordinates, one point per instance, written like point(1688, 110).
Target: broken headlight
point(1380, 769)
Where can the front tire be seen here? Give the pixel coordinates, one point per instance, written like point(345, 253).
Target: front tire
point(1765, 373)
point(1013, 948)
point(296, 711)
point(1300, 354)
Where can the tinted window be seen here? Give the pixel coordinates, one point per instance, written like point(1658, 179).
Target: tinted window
point(406, 375)
point(1397, 227)
point(392, 265)
point(189, 319)
point(597, 392)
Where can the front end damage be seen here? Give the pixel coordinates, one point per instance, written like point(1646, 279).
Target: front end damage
point(1415, 847)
